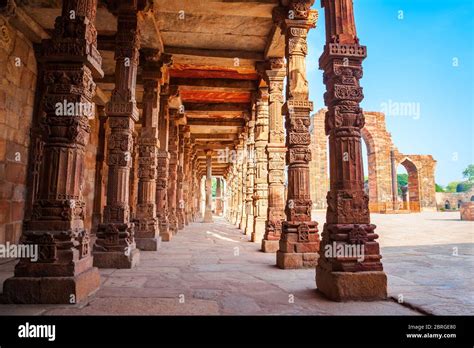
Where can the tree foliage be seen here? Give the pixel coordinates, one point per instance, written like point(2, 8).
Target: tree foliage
point(468, 173)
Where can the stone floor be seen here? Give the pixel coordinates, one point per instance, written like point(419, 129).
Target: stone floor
point(210, 269)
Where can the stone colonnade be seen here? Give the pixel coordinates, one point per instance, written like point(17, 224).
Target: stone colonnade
point(169, 193)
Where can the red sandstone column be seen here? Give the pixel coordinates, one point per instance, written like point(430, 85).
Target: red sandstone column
point(173, 172)
point(348, 219)
point(115, 245)
point(163, 158)
point(299, 243)
point(208, 211)
point(147, 230)
point(250, 175)
point(260, 193)
point(99, 172)
point(180, 180)
point(63, 272)
point(239, 184)
point(276, 151)
point(187, 177)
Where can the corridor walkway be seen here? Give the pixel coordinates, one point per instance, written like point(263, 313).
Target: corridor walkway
point(207, 269)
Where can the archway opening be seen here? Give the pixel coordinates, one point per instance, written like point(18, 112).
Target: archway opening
point(447, 205)
point(370, 170)
point(408, 184)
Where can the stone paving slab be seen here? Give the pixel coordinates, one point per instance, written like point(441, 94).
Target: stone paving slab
point(221, 272)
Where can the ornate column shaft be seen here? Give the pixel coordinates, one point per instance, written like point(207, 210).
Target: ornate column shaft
point(243, 181)
point(218, 196)
point(115, 245)
point(208, 211)
point(250, 174)
point(276, 151)
point(260, 194)
point(299, 242)
point(239, 171)
point(147, 230)
point(99, 172)
point(358, 276)
point(187, 188)
point(163, 158)
point(180, 180)
point(173, 172)
point(63, 272)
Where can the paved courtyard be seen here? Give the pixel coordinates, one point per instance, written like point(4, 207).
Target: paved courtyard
point(210, 269)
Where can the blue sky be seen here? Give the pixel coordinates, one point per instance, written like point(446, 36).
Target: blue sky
point(413, 60)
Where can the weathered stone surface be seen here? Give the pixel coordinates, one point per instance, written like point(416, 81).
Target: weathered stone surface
point(116, 259)
point(17, 91)
point(420, 168)
point(348, 217)
point(296, 260)
point(270, 246)
point(352, 286)
point(51, 290)
point(148, 244)
point(467, 211)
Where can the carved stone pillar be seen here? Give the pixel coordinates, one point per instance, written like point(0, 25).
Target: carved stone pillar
point(260, 194)
point(63, 272)
point(239, 181)
point(208, 211)
point(115, 245)
point(173, 172)
point(234, 197)
point(359, 276)
point(180, 180)
point(196, 189)
point(99, 196)
point(163, 158)
point(250, 175)
point(218, 196)
point(187, 187)
point(276, 151)
point(147, 229)
point(299, 242)
point(243, 183)
point(393, 168)
point(228, 194)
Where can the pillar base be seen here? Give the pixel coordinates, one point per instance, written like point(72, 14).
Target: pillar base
point(116, 259)
point(51, 290)
point(296, 260)
point(270, 246)
point(258, 231)
point(249, 226)
point(166, 236)
point(208, 217)
point(352, 286)
point(148, 244)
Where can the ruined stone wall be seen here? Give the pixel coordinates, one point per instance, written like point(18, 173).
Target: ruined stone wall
point(453, 198)
point(421, 170)
point(379, 143)
point(318, 167)
point(88, 190)
point(18, 72)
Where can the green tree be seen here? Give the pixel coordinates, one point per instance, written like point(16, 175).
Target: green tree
point(468, 173)
point(451, 187)
point(439, 188)
point(464, 186)
point(402, 180)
